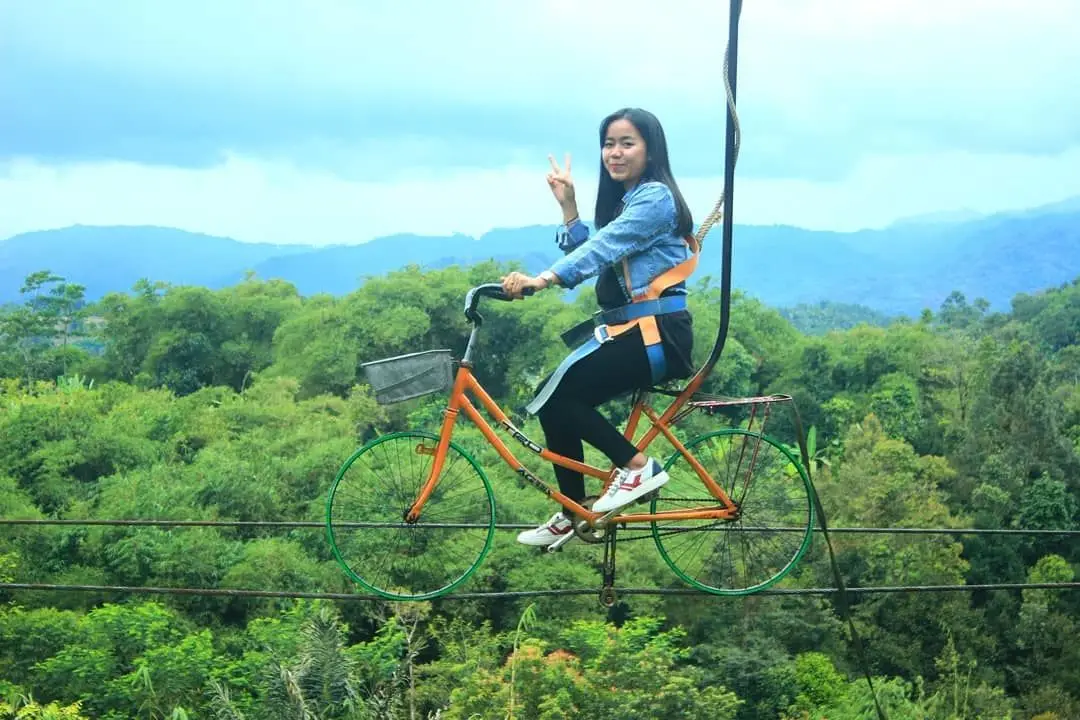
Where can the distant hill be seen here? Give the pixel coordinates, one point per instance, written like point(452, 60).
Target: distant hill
point(945, 217)
point(114, 258)
point(902, 269)
point(341, 268)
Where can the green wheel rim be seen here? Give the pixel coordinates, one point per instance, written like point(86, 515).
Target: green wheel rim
point(449, 587)
point(795, 558)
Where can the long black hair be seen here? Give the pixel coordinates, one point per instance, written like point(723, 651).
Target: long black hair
point(657, 167)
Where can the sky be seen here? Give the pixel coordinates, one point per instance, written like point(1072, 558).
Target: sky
point(336, 121)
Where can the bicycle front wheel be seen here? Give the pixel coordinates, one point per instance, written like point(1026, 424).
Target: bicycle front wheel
point(774, 524)
point(365, 517)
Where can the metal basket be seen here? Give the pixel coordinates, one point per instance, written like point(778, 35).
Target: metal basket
point(409, 376)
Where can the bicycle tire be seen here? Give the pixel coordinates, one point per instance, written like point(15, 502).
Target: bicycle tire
point(791, 499)
point(422, 560)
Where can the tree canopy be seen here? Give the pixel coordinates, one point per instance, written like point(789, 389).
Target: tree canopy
point(240, 404)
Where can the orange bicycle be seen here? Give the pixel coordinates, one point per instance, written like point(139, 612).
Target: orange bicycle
point(411, 515)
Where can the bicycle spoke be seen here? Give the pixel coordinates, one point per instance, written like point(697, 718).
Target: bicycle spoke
point(378, 485)
point(771, 532)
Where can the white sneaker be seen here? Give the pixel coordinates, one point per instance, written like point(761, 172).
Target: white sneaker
point(555, 528)
point(629, 485)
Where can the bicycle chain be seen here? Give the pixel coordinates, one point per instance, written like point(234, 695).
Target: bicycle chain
point(644, 536)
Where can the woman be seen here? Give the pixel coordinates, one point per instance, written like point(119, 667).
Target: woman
point(641, 220)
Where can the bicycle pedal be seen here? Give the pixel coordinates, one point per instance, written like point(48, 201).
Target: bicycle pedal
point(557, 545)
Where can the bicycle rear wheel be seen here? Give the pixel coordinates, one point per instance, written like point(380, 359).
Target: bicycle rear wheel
point(365, 517)
point(772, 531)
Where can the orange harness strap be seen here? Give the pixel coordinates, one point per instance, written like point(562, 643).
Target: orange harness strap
point(650, 331)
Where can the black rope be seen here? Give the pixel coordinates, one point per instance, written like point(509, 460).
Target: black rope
point(300, 594)
point(841, 595)
point(301, 524)
point(731, 80)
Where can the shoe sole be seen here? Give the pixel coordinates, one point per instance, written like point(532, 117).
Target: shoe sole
point(543, 543)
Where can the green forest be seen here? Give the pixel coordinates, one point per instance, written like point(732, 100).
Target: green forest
point(241, 404)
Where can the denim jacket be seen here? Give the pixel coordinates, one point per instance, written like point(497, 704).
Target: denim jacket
point(644, 234)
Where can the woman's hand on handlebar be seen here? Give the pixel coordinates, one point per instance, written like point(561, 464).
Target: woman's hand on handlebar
point(515, 284)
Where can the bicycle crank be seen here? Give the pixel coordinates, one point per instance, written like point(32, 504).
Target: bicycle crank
point(585, 530)
point(608, 597)
point(582, 530)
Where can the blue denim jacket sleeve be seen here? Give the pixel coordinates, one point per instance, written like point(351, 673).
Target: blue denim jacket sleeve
point(649, 212)
point(573, 235)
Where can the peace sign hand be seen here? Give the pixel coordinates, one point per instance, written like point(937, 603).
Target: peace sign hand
point(561, 183)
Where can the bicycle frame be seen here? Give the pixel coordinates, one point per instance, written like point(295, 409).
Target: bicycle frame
point(466, 382)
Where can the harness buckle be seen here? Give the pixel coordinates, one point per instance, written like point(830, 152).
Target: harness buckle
point(600, 332)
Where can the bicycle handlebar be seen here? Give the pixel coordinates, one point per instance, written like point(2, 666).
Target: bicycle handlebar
point(490, 290)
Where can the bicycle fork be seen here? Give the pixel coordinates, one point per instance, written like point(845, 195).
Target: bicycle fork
point(439, 459)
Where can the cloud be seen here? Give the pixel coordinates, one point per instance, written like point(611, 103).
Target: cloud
point(256, 200)
point(368, 90)
point(336, 121)
point(362, 138)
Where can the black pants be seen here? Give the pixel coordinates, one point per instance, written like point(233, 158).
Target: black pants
point(570, 415)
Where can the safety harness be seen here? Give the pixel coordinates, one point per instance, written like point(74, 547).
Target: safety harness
point(641, 312)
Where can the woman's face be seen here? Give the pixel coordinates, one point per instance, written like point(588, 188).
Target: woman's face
point(624, 153)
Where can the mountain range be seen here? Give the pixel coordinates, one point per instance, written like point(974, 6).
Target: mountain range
point(901, 269)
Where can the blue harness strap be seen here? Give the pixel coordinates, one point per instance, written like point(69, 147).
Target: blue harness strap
point(640, 312)
point(657, 362)
point(600, 335)
point(633, 311)
point(640, 309)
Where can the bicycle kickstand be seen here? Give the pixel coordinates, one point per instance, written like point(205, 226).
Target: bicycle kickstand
point(607, 591)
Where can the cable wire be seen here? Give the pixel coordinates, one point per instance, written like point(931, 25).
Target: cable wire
point(308, 524)
point(515, 594)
